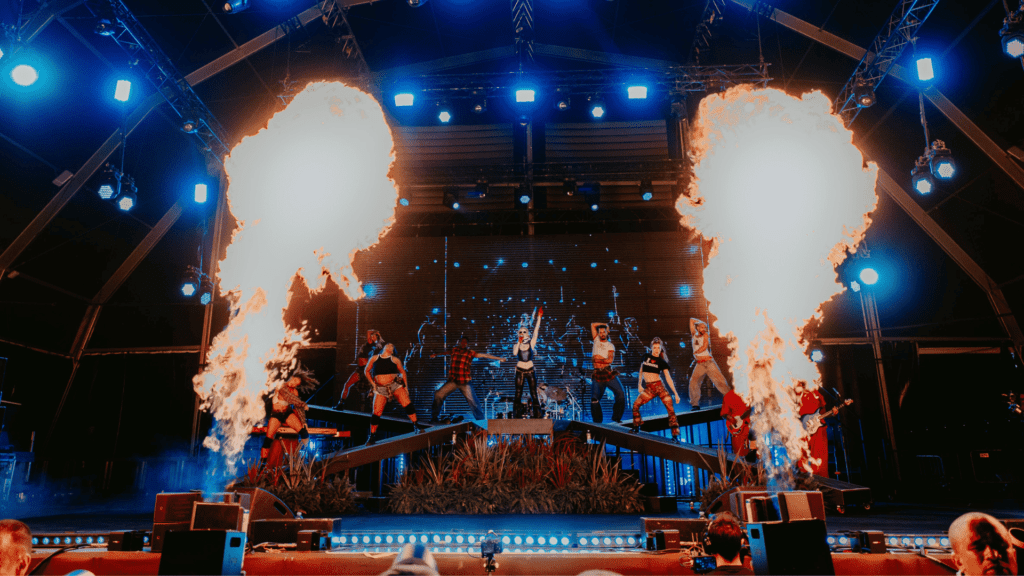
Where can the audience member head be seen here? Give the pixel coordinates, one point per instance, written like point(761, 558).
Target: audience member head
point(15, 548)
point(725, 538)
point(982, 545)
point(413, 559)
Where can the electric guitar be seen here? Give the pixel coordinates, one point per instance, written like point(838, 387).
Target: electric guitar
point(813, 421)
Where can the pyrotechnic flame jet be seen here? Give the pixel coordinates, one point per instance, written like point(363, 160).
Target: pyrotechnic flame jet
point(784, 195)
point(308, 192)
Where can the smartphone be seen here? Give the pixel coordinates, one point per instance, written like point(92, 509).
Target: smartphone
point(704, 564)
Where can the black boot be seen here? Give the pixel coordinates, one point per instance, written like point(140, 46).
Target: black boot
point(371, 439)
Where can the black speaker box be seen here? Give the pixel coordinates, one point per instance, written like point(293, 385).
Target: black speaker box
point(175, 506)
point(797, 547)
point(216, 516)
point(265, 506)
point(690, 529)
point(660, 505)
point(870, 541)
point(313, 541)
point(203, 552)
point(800, 505)
point(160, 530)
point(126, 540)
point(287, 531)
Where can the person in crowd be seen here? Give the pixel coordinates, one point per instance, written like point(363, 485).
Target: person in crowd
point(725, 541)
point(982, 545)
point(15, 548)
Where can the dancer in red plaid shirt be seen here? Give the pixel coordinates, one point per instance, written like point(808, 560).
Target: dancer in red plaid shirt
point(459, 376)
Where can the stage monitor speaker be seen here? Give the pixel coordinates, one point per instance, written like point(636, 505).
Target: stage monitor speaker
point(690, 529)
point(661, 505)
point(800, 505)
point(175, 506)
point(870, 541)
point(313, 541)
point(761, 509)
point(265, 506)
point(160, 530)
point(797, 547)
point(217, 516)
point(286, 531)
point(738, 502)
point(203, 552)
point(126, 540)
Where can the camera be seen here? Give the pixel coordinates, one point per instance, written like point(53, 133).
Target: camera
point(704, 564)
point(490, 546)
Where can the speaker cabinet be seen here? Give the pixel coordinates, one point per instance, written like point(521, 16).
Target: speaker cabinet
point(690, 529)
point(126, 540)
point(160, 530)
point(870, 541)
point(287, 531)
point(203, 552)
point(216, 516)
point(175, 506)
point(800, 505)
point(265, 506)
point(797, 547)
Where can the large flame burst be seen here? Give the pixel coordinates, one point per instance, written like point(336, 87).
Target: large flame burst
point(308, 191)
point(784, 194)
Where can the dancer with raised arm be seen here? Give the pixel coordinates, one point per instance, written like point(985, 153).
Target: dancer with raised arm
point(703, 363)
point(288, 409)
point(390, 381)
point(459, 376)
point(650, 384)
point(604, 377)
point(523, 351)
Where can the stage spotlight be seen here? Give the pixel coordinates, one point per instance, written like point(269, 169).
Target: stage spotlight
point(128, 197)
point(24, 75)
point(234, 6)
point(108, 183)
point(925, 71)
point(646, 190)
point(921, 179)
point(444, 112)
point(200, 193)
point(637, 92)
point(525, 195)
point(105, 27)
point(563, 104)
point(451, 199)
point(597, 107)
point(479, 105)
point(868, 276)
point(189, 126)
point(190, 284)
point(592, 195)
point(864, 94)
point(404, 99)
point(123, 90)
point(526, 95)
point(941, 161)
point(417, 3)
point(480, 190)
point(855, 286)
point(403, 201)
point(569, 187)
point(1012, 35)
point(817, 355)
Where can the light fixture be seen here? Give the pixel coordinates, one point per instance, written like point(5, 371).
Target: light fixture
point(417, 3)
point(205, 290)
point(592, 194)
point(129, 195)
point(234, 6)
point(941, 161)
point(480, 190)
point(925, 70)
point(646, 189)
point(444, 112)
point(105, 27)
point(403, 201)
point(637, 92)
point(597, 107)
point(864, 93)
point(200, 193)
point(189, 126)
point(24, 75)
point(190, 284)
point(563, 102)
point(479, 105)
point(1012, 35)
point(403, 99)
point(817, 355)
point(921, 179)
point(109, 183)
point(868, 276)
point(526, 95)
point(569, 187)
point(451, 199)
point(524, 195)
point(123, 90)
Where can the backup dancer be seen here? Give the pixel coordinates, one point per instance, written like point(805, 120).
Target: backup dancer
point(604, 377)
point(524, 351)
point(650, 384)
point(357, 385)
point(288, 409)
point(703, 363)
point(460, 376)
point(389, 379)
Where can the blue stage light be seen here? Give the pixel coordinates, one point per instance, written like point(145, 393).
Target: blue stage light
point(88, 540)
point(444, 116)
point(637, 92)
point(583, 541)
point(944, 542)
point(128, 198)
point(471, 539)
point(123, 90)
point(618, 540)
point(563, 268)
point(918, 541)
point(403, 201)
point(100, 539)
point(868, 276)
point(593, 264)
point(526, 95)
point(24, 75)
point(685, 291)
point(234, 6)
point(404, 99)
point(925, 70)
point(366, 539)
point(506, 540)
point(200, 193)
point(524, 199)
point(448, 539)
point(564, 541)
point(526, 264)
point(597, 110)
point(942, 164)
point(817, 355)
point(921, 179)
point(542, 540)
point(188, 288)
point(459, 539)
point(647, 195)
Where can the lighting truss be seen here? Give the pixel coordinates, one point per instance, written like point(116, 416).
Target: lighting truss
point(702, 36)
point(673, 80)
point(158, 68)
point(885, 49)
point(334, 16)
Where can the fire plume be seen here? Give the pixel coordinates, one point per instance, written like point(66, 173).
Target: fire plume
point(784, 195)
point(308, 192)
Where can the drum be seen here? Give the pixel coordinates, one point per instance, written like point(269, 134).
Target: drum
point(553, 393)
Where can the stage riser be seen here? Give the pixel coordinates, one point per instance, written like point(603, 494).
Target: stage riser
point(458, 564)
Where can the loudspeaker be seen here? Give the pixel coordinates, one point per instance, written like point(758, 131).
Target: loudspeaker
point(216, 516)
point(313, 541)
point(175, 506)
point(160, 530)
point(666, 540)
point(738, 502)
point(660, 504)
point(690, 529)
point(799, 505)
point(797, 547)
point(203, 552)
point(870, 541)
point(126, 540)
point(287, 531)
point(265, 506)
point(761, 509)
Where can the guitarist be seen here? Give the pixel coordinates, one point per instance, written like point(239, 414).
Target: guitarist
point(812, 402)
point(737, 421)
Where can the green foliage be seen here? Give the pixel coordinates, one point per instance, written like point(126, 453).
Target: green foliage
point(523, 476)
point(303, 486)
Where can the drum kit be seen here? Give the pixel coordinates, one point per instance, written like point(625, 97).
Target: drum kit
point(557, 402)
